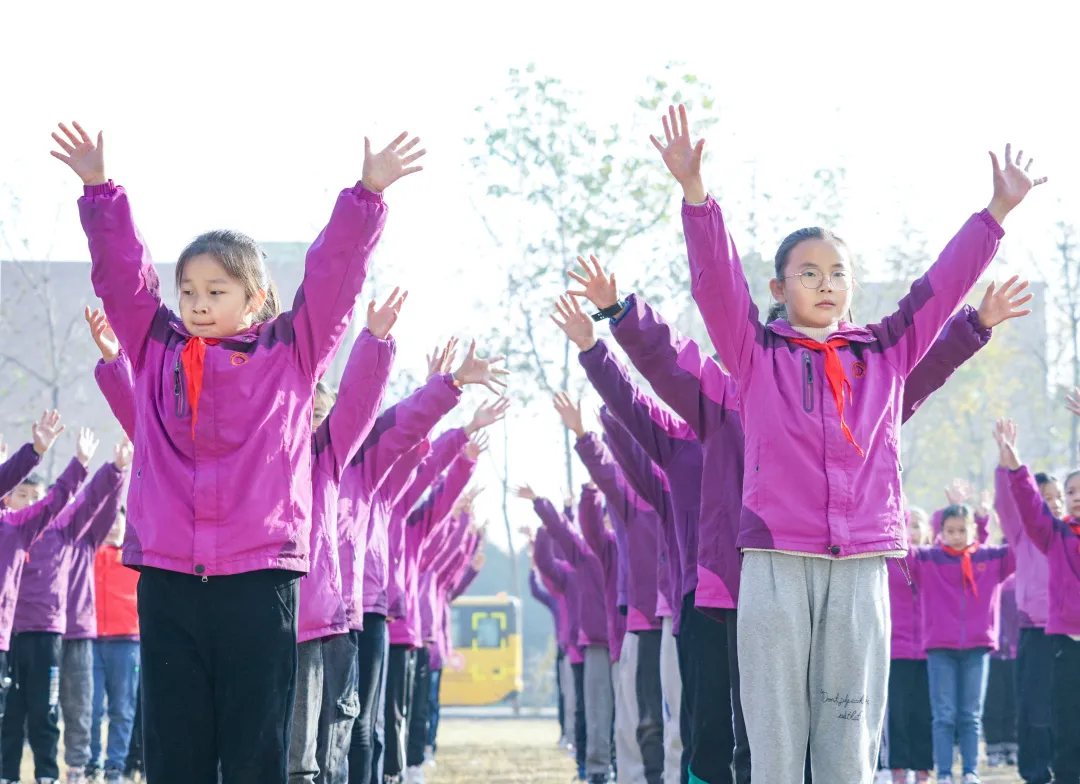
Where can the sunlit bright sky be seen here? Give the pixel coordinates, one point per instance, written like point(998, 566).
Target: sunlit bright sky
point(252, 116)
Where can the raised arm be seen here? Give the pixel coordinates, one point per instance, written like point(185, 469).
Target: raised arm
point(116, 380)
point(105, 517)
point(962, 337)
point(438, 550)
point(553, 569)
point(337, 262)
point(1005, 505)
point(642, 475)
point(1039, 525)
point(445, 449)
point(909, 332)
point(591, 519)
point(107, 482)
point(32, 519)
point(571, 543)
point(397, 481)
point(434, 512)
point(21, 464)
point(360, 395)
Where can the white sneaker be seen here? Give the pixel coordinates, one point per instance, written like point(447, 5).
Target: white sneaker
point(429, 756)
point(76, 776)
point(414, 775)
point(971, 778)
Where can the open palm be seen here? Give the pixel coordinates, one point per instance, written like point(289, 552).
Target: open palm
point(79, 151)
point(384, 168)
point(1011, 182)
point(597, 286)
point(381, 320)
point(681, 156)
point(571, 319)
point(1001, 304)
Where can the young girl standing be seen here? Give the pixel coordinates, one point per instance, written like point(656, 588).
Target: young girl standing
point(959, 583)
point(820, 400)
point(220, 498)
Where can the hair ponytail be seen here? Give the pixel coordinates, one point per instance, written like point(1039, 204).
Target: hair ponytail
point(272, 307)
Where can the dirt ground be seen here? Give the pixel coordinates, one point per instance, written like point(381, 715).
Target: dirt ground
point(514, 751)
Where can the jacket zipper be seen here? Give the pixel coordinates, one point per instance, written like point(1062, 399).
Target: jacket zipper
point(177, 388)
point(808, 383)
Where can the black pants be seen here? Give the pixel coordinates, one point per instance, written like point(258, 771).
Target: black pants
point(1034, 695)
point(218, 675)
point(420, 712)
point(5, 685)
point(134, 763)
point(371, 653)
point(397, 709)
point(1066, 710)
point(650, 700)
point(559, 706)
point(581, 734)
point(999, 710)
point(911, 743)
point(708, 655)
point(33, 705)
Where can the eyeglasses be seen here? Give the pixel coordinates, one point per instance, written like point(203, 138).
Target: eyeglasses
point(812, 279)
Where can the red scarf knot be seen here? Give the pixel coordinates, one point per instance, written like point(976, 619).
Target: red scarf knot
point(966, 568)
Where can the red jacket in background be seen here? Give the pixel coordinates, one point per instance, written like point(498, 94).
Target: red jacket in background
point(117, 602)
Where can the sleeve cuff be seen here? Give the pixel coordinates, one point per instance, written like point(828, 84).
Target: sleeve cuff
point(981, 332)
point(631, 303)
point(700, 210)
point(992, 224)
point(363, 193)
point(105, 189)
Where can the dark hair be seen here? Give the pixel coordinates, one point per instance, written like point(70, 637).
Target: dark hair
point(1043, 478)
point(963, 511)
point(791, 241)
point(242, 259)
point(35, 480)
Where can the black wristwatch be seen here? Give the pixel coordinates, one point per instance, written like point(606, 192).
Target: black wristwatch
point(609, 312)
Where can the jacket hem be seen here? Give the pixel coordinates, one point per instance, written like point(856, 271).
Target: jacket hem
point(255, 563)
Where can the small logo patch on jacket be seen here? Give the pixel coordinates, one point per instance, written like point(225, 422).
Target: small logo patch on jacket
point(858, 370)
point(238, 358)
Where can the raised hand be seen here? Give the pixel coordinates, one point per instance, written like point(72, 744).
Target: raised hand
point(124, 454)
point(1011, 183)
point(681, 156)
point(476, 447)
point(478, 561)
point(86, 445)
point(381, 320)
point(570, 413)
point(102, 333)
point(525, 492)
point(1072, 401)
point(986, 503)
point(80, 153)
point(599, 288)
point(46, 430)
point(574, 322)
point(1002, 304)
point(441, 360)
point(384, 168)
point(959, 492)
point(478, 370)
point(488, 414)
point(1006, 434)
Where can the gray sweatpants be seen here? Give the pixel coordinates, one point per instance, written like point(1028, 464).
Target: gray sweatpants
point(77, 700)
point(599, 710)
point(814, 664)
point(671, 683)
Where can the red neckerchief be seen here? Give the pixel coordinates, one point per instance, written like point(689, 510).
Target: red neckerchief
point(965, 564)
point(834, 372)
point(193, 357)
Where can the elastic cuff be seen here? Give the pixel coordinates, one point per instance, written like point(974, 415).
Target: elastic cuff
point(363, 193)
point(105, 189)
point(992, 224)
point(700, 210)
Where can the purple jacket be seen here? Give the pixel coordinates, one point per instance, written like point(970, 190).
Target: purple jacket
point(215, 501)
point(18, 530)
point(436, 558)
point(322, 611)
point(952, 615)
point(17, 467)
point(905, 610)
point(697, 389)
point(444, 451)
point(388, 455)
point(421, 524)
point(1032, 567)
point(848, 504)
point(1061, 546)
point(594, 584)
point(43, 594)
point(81, 599)
point(641, 525)
point(647, 480)
point(540, 592)
point(1009, 628)
point(116, 380)
point(562, 580)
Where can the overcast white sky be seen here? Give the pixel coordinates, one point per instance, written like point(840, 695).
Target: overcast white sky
point(252, 116)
